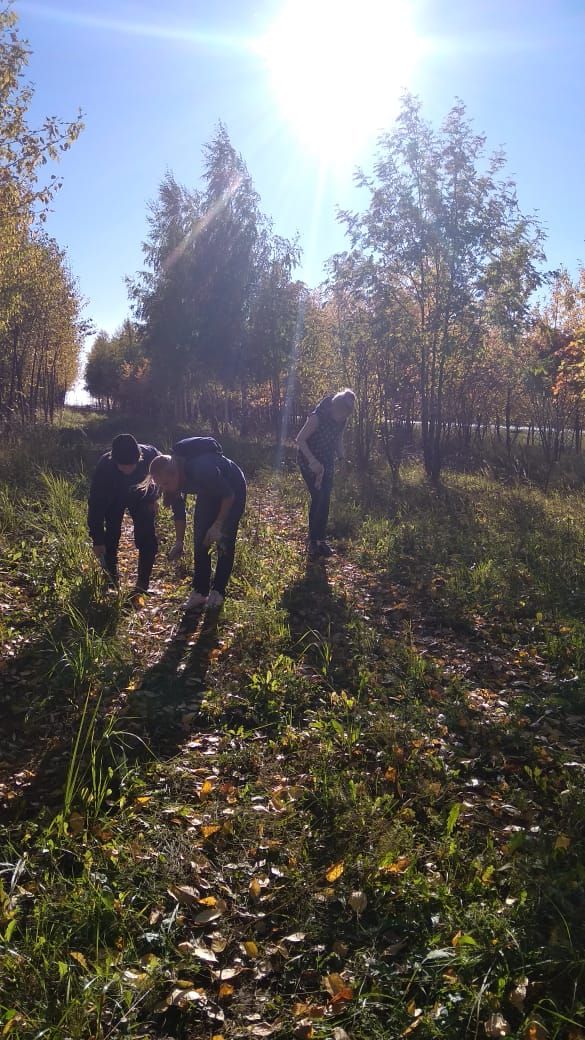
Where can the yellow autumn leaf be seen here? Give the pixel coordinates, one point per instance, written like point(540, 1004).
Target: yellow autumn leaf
point(337, 986)
point(206, 789)
point(255, 888)
point(334, 872)
point(251, 948)
point(209, 829)
point(398, 867)
point(562, 842)
point(16, 1020)
point(79, 957)
point(390, 774)
point(225, 991)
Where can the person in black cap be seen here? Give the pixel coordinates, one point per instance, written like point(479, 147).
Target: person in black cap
point(115, 489)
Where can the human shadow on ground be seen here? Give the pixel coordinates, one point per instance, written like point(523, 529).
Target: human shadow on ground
point(171, 689)
point(38, 735)
point(321, 621)
point(43, 685)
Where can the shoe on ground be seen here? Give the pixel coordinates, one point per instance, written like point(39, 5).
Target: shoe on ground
point(196, 601)
point(214, 600)
point(324, 549)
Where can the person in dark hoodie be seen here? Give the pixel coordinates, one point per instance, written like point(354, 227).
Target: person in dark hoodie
point(115, 488)
point(220, 487)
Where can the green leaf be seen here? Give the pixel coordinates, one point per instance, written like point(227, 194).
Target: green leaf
point(452, 818)
point(10, 929)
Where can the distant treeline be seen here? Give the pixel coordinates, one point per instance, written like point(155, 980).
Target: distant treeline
point(429, 314)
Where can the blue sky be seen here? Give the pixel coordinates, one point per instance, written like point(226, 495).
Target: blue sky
point(153, 80)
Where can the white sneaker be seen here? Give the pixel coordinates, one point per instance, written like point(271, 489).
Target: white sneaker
point(214, 600)
point(196, 601)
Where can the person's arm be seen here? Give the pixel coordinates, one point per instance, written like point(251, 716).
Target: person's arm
point(215, 531)
point(209, 480)
point(308, 429)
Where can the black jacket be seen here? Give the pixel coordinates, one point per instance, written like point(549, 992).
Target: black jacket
point(110, 487)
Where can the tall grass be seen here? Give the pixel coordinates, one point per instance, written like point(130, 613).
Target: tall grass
point(476, 545)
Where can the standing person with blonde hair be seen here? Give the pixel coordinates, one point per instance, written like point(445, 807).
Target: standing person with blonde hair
point(318, 443)
point(199, 467)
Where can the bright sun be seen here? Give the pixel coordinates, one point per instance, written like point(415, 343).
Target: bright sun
point(337, 69)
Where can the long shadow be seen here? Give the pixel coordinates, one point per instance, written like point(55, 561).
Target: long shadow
point(40, 705)
point(171, 689)
point(38, 730)
point(320, 620)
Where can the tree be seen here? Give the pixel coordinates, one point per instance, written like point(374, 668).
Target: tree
point(117, 374)
point(103, 370)
point(444, 240)
point(39, 304)
point(202, 303)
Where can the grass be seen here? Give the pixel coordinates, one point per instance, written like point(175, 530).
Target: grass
point(355, 803)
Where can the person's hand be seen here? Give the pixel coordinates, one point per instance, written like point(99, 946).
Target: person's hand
point(212, 536)
point(176, 552)
point(99, 552)
point(317, 469)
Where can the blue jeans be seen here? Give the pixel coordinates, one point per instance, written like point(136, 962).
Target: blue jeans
point(320, 499)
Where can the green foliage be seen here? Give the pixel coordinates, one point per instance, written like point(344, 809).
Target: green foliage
point(40, 328)
point(118, 372)
point(441, 251)
point(217, 304)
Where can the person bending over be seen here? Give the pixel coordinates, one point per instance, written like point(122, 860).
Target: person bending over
point(220, 487)
point(117, 486)
point(318, 443)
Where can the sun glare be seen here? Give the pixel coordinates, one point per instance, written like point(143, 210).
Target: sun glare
point(337, 68)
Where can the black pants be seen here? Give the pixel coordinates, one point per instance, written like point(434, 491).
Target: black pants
point(320, 499)
point(206, 510)
point(143, 513)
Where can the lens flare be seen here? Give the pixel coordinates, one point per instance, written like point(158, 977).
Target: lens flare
point(337, 68)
